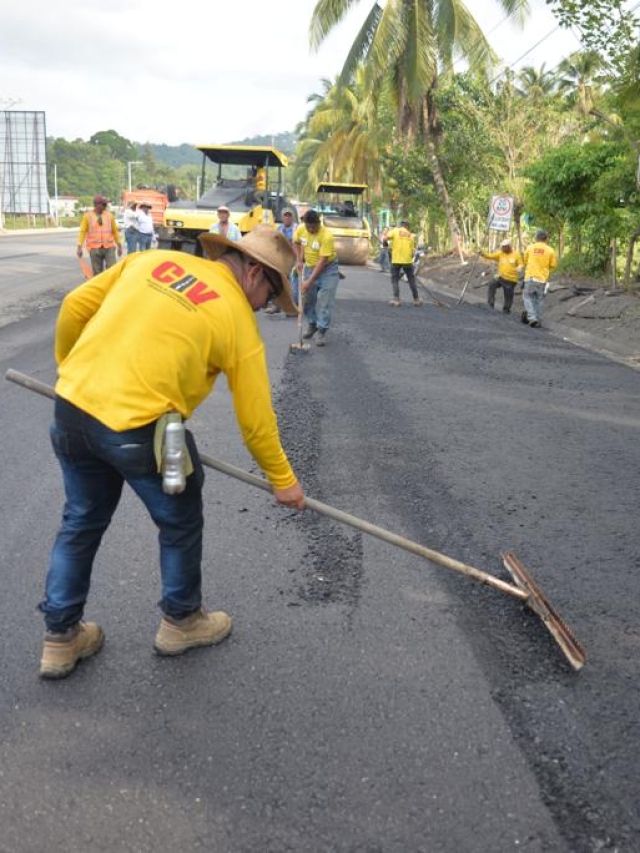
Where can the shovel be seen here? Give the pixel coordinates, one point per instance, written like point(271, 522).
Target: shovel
point(524, 588)
point(300, 345)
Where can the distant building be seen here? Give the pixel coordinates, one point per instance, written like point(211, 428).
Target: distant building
point(64, 205)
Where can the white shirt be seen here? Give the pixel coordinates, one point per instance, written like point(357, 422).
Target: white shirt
point(145, 222)
point(130, 218)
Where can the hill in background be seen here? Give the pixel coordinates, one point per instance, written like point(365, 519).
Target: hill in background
point(187, 155)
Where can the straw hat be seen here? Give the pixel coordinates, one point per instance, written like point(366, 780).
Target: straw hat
point(266, 246)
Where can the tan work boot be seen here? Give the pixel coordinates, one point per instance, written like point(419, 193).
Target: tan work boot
point(61, 652)
point(395, 303)
point(199, 629)
point(418, 302)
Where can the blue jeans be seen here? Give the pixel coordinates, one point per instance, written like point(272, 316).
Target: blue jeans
point(321, 296)
point(533, 296)
point(131, 236)
point(144, 241)
point(96, 462)
point(295, 290)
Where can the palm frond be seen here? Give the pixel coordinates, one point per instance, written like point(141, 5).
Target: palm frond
point(420, 60)
point(517, 10)
point(460, 35)
point(361, 46)
point(326, 15)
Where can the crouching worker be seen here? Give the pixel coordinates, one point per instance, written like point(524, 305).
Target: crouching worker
point(318, 274)
point(137, 347)
point(509, 267)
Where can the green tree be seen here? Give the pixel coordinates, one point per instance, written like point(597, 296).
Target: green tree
point(581, 187)
point(537, 85)
point(118, 147)
point(578, 79)
point(407, 42)
point(605, 26)
point(342, 138)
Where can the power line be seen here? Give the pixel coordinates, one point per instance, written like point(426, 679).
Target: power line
point(526, 53)
point(538, 43)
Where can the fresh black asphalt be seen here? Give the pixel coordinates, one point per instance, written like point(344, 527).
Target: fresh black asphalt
point(367, 700)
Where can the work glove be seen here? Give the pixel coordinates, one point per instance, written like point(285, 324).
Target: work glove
point(546, 289)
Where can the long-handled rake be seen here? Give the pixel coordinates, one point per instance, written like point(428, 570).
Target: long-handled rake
point(475, 259)
point(525, 589)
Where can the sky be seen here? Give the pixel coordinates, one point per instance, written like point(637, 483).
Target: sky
point(198, 72)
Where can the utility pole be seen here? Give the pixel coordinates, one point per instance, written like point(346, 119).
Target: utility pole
point(55, 190)
point(131, 163)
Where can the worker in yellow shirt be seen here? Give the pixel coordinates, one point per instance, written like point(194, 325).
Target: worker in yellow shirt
point(539, 262)
point(138, 348)
point(403, 245)
point(509, 266)
point(318, 274)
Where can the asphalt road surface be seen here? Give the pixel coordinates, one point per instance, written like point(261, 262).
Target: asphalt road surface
point(367, 701)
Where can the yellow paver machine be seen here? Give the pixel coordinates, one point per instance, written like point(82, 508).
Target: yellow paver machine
point(247, 179)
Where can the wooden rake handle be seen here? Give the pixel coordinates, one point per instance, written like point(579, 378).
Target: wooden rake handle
point(322, 508)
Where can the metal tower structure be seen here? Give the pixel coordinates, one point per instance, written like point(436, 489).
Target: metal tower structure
point(23, 163)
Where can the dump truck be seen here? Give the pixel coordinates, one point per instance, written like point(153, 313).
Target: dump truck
point(248, 179)
point(158, 201)
point(342, 207)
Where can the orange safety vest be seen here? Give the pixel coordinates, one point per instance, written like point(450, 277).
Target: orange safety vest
point(99, 235)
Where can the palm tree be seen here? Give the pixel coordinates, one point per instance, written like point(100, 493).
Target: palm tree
point(341, 138)
point(537, 85)
point(576, 78)
point(410, 43)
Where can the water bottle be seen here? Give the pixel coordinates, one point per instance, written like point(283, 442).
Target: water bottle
point(174, 456)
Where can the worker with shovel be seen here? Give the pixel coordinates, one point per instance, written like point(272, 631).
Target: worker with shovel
point(318, 274)
point(138, 348)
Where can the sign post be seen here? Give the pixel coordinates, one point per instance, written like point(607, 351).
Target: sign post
point(500, 212)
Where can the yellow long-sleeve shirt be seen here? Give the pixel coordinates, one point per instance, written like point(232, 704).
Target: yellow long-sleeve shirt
point(508, 263)
point(540, 260)
point(151, 334)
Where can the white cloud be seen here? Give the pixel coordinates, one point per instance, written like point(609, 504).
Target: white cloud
point(204, 71)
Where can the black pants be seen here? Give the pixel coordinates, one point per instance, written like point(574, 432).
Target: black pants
point(508, 288)
point(395, 279)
